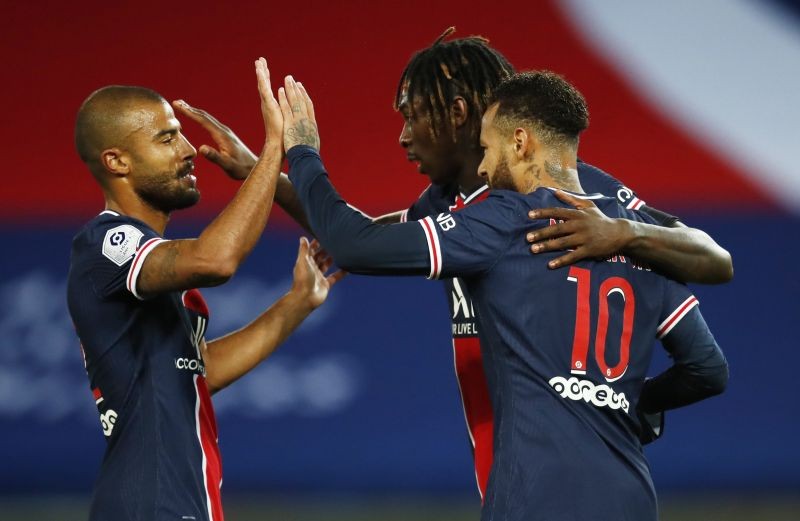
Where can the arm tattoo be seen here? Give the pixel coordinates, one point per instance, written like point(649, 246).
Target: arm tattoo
point(168, 262)
point(164, 275)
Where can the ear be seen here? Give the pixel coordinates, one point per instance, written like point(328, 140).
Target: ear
point(525, 143)
point(459, 111)
point(115, 162)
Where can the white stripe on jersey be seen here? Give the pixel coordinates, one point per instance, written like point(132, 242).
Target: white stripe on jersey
point(138, 262)
point(474, 194)
point(676, 316)
point(434, 250)
point(579, 196)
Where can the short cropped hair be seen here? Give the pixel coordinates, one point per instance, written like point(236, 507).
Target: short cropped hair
point(545, 100)
point(97, 125)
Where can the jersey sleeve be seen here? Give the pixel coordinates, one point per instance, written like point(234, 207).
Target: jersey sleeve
point(356, 243)
point(661, 218)
point(471, 240)
point(594, 180)
point(699, 370)
point(120, 247)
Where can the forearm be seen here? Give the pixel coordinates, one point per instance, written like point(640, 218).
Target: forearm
point(684, 254)
point(389, 218)
point(356, 243)
point(230, 357)
point(233, 234)
point(700, 369)
point(680, 386)
point(284, 191)
point(287, 199)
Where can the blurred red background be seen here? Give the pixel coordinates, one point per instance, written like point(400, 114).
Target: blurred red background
point(348, 54)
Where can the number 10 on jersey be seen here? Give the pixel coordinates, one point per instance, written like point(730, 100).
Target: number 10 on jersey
point(583, 314)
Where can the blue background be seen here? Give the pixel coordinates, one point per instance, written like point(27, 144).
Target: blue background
point(363, 397)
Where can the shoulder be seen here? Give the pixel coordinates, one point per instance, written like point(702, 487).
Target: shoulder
point(507, 200)
point(113, 236)
point(595, 180)
point(434, 199)
point(440, 193)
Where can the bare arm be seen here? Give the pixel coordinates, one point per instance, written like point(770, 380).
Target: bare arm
point(389, 218)
point(236, 159)
point(216, 254)
point(233, 355)
point(684, 254)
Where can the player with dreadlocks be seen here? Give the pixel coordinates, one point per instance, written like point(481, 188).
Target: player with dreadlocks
point(442, 95)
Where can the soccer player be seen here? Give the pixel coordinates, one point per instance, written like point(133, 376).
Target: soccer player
point(566, 352)
point(442, 94)
point(141, 320)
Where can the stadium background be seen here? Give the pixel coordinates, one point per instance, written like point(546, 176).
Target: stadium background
point(693, 104)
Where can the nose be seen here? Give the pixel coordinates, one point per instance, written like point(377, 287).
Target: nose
point(188, 152)
point(405, 136)
point(482, 171)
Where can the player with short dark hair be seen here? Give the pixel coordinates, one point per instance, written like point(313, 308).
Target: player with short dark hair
point(442, 94)
point(566, 353)
point(133, 298)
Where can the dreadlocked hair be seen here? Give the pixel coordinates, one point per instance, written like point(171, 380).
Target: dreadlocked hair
point(466, 67)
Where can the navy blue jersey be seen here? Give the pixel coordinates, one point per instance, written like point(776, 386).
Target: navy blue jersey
point(146, 372)
point(437, 199)
point(565, 351)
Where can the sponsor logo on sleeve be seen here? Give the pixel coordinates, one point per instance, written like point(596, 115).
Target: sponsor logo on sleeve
point(120, 243)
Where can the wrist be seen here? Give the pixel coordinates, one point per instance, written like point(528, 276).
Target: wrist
point(630, 236)
point(299, 300)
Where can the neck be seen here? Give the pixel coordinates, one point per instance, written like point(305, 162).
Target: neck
point(557, 169)
point(134, 207)
point(468, 179)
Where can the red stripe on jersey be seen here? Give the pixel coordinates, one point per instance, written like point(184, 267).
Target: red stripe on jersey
point(212, 463)
point(477, 405)
point(472, 384)
point(96, 393)
point(193, 300)
point(633, 203)
point(676, 316)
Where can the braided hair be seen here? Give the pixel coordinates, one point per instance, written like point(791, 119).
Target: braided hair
point(466, 67)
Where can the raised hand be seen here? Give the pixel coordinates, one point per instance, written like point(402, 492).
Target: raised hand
point(587, 231)
point(310, 281)
point(299, 122)
point(231, 154)
point(270, 110)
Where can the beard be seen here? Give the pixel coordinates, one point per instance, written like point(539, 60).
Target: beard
point(501, 179)
point(168, 191)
